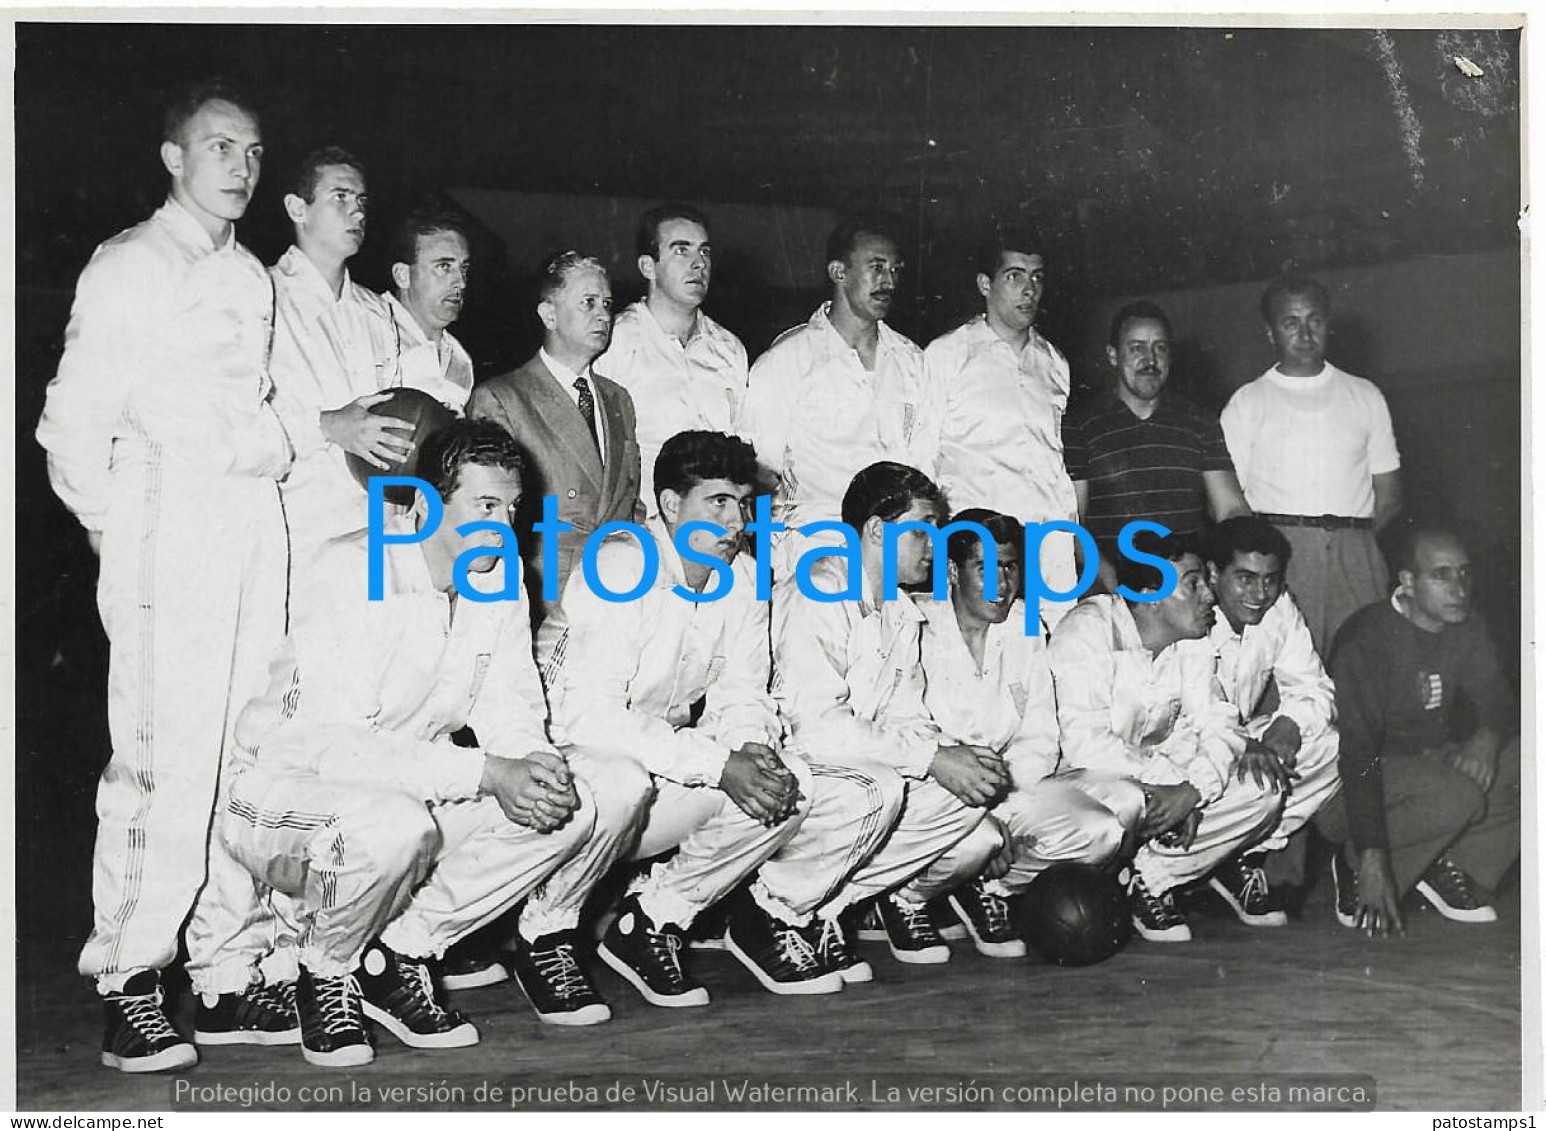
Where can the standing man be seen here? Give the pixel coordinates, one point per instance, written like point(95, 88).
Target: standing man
point(989, 685)
point(575, 426)
point(1137, 698)
point(430, 261)
point(1317, 456)
point(163, 439)
point(842, 391)
point(335, 350)
point(1283, 699)
point(684, 370)
point(1138, 452)
point(1003, 388)
point(1429, 747)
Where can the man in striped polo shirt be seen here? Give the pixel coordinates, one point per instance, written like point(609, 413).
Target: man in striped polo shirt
point(1139, 452)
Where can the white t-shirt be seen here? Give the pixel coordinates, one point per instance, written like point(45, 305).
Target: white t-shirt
point(1310, 445)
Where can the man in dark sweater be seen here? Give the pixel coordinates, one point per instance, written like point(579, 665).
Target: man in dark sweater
point(1429, 753)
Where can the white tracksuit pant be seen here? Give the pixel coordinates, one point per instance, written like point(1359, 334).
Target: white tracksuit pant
point(362, 860)
point(1239, 818)
point(869, 831)
point(1073, 817)
point(192, 595)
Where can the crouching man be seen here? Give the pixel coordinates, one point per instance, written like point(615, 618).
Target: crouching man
point(989, 685)
point(393, 841)
point(1138, 697)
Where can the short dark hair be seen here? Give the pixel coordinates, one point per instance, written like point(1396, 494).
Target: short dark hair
point(845, 237)
point(989, 253)
point(1005, 529)
point(1286, 285)
point(445, 452)
point(557, 268)
point(188, 100)
point(886, 490)
point(690, 458)
point(1140, 576)
point(309, 171)
point(1245, 534)
point(1414, 532)
point(646, 237)
point(420, 222)
point(1141, 310)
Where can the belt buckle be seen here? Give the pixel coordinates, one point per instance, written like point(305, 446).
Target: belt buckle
point(1329, 521)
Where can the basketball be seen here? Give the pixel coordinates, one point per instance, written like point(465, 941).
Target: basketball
point(425, 415)
point(1075, 915)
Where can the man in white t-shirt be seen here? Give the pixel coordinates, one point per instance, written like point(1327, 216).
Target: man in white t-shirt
point(1317, 457)
point(684, 370)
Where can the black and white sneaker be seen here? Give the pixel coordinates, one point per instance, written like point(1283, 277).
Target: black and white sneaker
point(469, 964)
point(911, 932)
point(138, 1037)
point(1242, 882)
point(1156, 916)
point(783, 958)
point(988, 921)
point(549, 973)
point(332, 1026)
point(834, 953)
point(259, 1015)
point(397, 993)
point(1446, 886)
point(871, 929)
point(1345, 883)
point(648, 957)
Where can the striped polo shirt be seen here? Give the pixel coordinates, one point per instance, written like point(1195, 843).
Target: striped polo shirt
point(1149, 469)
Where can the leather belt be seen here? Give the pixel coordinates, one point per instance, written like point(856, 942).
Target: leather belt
point(1322, 521)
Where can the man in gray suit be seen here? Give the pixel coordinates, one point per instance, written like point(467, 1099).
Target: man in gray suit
point(575, 426)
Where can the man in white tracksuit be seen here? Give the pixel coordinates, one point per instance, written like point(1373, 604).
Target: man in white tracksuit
point(1137, 697)
point(989, 684)
point(163, 439)
point(1002, 389)
point(684, 370)
point(353, 800)
point(849, 683)
point(335, 351)
point(840, 391)
point(624, 680)
point(1284, 701)
point(431, 260)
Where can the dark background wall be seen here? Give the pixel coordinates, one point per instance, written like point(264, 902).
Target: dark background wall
point(1188, 165)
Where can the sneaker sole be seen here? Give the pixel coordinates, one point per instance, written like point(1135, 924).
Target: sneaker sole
point(707, 944)
point(248, 1037)
point(476, 979)
point(1179, 933)
point(1269, 919)
point(1349, 921)
point(828, 983)
point(695, 996)
point(857, 974)
point(1484, 914)
point(350, 1056)
point(461, 1037)
point(593, 1014)
point(928, 956)
point(1008, 948)
point(167, 1060)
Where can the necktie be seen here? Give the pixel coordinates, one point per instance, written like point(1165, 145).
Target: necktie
point(587, 408)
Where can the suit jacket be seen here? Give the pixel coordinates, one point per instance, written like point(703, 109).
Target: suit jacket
point(562, 461)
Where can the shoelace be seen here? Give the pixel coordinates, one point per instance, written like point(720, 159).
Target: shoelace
point(664, 946)
point(832, 944)
point(1455, 880)
point(1160, 908)
point(916, 919)
point(995, 911)
point(143, 1012)
point(795, 950)
point(278, 999)
point(1255, 886)
point(423, 990)
point(336, 1001)
point(559, 968)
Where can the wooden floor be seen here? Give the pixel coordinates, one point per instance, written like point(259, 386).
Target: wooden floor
point(1429, 1021)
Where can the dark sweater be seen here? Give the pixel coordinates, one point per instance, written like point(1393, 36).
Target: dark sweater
point(1401, 691)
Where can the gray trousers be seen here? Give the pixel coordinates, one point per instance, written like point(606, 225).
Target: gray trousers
point(1432, 808)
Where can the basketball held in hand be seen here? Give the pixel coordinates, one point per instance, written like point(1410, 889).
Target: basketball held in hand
point(421, 412)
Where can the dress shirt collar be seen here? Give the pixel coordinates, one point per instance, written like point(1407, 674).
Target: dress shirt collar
point(889, 342)
point(564, 375)
point(181, 221)
point(296, 265)
point(410, 331)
